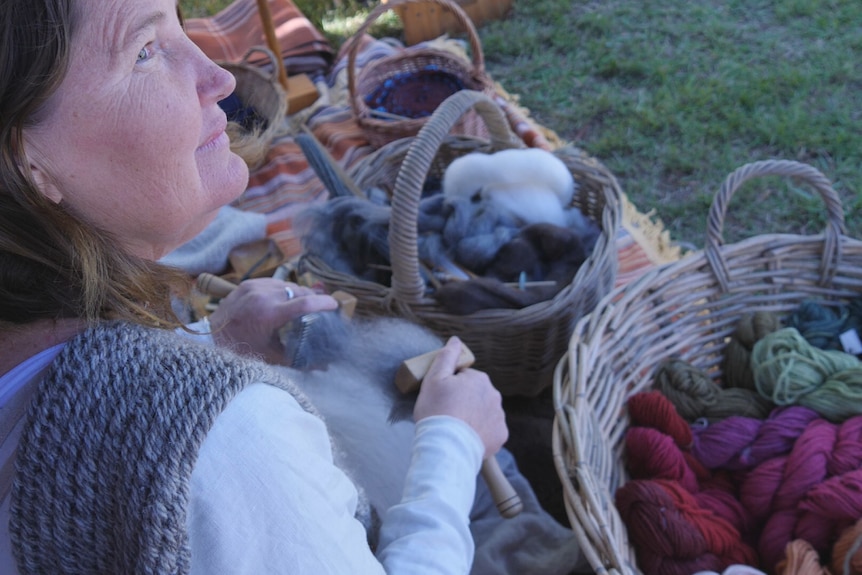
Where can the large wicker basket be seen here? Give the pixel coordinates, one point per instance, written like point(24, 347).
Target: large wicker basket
point(519, 348)
point(432, 74)
point(686, 309)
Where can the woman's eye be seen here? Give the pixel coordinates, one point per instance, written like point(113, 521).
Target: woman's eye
point(144, 54)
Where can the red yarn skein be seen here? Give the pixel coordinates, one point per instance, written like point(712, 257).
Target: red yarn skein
point(653, 409)
point(673, 535)
point(653, 455)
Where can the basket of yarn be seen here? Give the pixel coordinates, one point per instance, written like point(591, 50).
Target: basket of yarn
point(708, 415)
point(518, 344)
point(393, 96)
point(256, 108)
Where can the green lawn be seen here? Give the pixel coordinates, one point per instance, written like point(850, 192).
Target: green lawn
point(674, 95)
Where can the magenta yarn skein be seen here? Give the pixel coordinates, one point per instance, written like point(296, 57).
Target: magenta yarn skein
point(716, 445)
point(740, 443)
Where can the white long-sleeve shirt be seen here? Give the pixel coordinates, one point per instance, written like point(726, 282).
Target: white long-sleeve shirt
point(273, 502)
point(266, 496)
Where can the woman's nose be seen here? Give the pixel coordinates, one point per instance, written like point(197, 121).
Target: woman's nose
point(215, 83)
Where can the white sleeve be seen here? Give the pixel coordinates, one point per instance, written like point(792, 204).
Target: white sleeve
point(267, 498)
point(429, 531)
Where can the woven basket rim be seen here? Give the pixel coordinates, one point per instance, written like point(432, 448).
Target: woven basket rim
point(383, 130)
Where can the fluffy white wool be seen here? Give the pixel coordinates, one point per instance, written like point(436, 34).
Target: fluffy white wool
point(531, 184)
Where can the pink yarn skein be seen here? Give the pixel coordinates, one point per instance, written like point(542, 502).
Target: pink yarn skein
point(812, 493)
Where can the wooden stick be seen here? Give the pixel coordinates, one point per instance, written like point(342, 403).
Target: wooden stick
point(214, 285)
point(272, 41)
point(409, 377)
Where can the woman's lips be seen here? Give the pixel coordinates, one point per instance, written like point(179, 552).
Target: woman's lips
point(216, 141)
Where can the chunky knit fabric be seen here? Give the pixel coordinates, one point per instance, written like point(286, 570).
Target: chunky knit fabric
point(104, 463)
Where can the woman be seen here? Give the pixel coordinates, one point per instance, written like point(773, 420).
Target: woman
point(136, 449)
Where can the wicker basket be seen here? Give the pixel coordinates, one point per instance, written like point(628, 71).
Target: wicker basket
point(413, 81)
point(686, 309)
point(518, 348)
point(258, 89)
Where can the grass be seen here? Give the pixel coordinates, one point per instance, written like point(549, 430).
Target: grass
point(674, 95)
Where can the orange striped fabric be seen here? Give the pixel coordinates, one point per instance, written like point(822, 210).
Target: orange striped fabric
point(227, 35)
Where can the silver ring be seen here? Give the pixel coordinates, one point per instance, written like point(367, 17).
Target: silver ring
point(288, 291)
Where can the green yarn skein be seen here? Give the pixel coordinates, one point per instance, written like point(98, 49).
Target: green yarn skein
point(790, 371)
point(736, 365)
point(695, 395)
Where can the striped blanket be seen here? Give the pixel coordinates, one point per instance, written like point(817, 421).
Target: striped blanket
point(284, 184)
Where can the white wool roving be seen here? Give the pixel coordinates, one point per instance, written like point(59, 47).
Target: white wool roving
point(532, 185)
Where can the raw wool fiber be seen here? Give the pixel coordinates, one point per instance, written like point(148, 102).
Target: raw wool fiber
point(371, 348)
point(351, 235)
point(531, 184)
point(371, 421)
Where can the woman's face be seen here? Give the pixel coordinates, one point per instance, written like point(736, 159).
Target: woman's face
point(133, 141)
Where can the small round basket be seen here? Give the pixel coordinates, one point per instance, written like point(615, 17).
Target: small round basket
point(518, 348)
point(261, 92)
point(687, 309)
point(392, 97)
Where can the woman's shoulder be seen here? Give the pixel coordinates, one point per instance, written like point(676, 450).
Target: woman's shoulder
point(110, 346)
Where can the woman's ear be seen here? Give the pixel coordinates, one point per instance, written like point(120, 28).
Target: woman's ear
point(37, 172)
point(45, 184)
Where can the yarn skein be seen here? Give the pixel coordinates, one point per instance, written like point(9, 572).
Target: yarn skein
point(751, 328)
point(828, 509)
point(653, 455)
point(656, 450)
point(847, 551)
point(696, 395)
point(741, 443)
point(800, 558)
point(788, 370)
point(820, 325)
point(654, 409)
point(662, 440)
point(796, 496)
point(673, 534)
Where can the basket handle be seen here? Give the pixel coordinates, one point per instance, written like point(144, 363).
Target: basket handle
point(831, 256)
point(269, 54)
point(462, 17)
point(407, 283)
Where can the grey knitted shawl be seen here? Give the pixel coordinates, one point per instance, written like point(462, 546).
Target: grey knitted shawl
point(104, 463)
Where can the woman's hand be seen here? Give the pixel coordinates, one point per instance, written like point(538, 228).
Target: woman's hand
point(248, 319)
point(467, 395)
